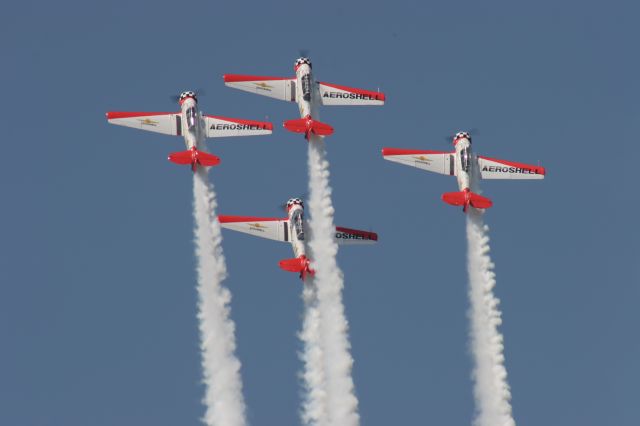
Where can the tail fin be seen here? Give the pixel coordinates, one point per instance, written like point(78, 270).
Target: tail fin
point(194, 157)
point(297, 264)
point(467, 198)
point(308, 125)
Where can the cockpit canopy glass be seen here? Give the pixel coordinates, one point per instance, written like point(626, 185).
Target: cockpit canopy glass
point(306, 87)
point(191, 117)
point(297, 222)
point(465, 158)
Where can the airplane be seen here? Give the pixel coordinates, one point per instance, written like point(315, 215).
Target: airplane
point(308, 93)
point(466, 167)
point(292, 229)
point(193, 126)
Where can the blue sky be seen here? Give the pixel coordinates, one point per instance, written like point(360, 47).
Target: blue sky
point(97, 301)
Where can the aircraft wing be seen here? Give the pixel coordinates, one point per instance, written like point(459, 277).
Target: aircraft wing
point(265, 227)
point(223, 126)
point(354, 236)
point(332, 94)
point(283, 88)
point(491, 168)
point(432, 161)
point(168, 123)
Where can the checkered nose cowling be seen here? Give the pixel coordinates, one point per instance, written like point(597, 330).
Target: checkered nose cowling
point(188, 94)
point(461, 135)
point(294, 201)
point(301, 61)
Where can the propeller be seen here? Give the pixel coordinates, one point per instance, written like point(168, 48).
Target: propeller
point(472, 132)
point(199, 92)
point(302, 196)
point(304, 53)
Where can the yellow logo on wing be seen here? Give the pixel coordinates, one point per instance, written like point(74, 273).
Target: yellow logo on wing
point(263, 86)
point(423, 159)
point(257, 227)
point(149, 122)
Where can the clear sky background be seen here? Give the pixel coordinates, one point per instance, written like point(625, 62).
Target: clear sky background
point(97, 281)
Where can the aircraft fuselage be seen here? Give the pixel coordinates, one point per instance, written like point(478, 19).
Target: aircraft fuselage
point(296, 230)
point(305, 91)
point(464, 163)
point(192, 123)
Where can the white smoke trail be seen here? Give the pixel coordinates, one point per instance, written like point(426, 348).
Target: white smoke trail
point(223, 396)
point(491, 390)
point(314, 410)
point(341, 401)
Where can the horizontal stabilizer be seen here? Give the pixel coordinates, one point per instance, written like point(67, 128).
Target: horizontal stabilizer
point(206, 159)
point(297, 264)
point(308, 125)
point(467, 198)
point(194, 157)
point(183, 157)
point(480, 202)
point(321, 129)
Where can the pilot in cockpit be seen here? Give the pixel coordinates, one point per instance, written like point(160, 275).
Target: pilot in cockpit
point(191, 117)
point(298, 224)
point(465, 158)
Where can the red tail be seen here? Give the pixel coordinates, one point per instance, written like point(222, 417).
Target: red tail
point(308, 125)
point(297, 264)
point(467, 198)
point(194, 157)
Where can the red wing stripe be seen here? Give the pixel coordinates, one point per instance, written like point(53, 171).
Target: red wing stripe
point(264, 124)
point(377, 95)
point(400, 151)
point(364, 234)
point(233, 78)
point(122, 114)
point(539, 170)
point(229, 219)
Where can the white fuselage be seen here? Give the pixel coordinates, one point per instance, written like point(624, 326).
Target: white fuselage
point(296, 230)
point(192, 123)
point(464, 160)
point(306, 91)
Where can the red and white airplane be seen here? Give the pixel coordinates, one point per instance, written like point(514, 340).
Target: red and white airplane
point(193, 126)
point(466, 167)
point(308, 93)
point(292, 229)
